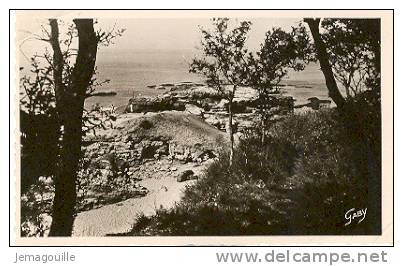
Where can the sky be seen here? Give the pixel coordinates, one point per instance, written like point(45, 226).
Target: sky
point(148, 33)
point(127, 61)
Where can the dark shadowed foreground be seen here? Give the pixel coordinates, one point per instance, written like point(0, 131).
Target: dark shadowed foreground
point(301, 181)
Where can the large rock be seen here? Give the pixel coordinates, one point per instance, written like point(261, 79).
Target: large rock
point(203, 155)
point(154, 104)
point(149, 149)
point(186, 175)
point(193, 109)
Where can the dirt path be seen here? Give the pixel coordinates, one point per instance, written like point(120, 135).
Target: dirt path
point(119, 217)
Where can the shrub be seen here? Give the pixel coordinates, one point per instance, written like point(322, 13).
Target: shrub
point(230, 200)
point(302, 180)
point(36, 207)
point(331, 175)
point(217, 205)
point(145, 124)
point(270, 162)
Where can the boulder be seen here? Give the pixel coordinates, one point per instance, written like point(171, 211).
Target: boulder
point(203, 155)
point(154, 104)
point(152, 149)
point(222, 105)
point(186, 175)
point(315, 103)
point(193, 109)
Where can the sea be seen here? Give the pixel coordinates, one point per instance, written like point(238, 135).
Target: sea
point(131, 71)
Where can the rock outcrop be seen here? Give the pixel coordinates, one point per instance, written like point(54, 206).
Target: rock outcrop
point(209, 105)
point(117, 158)
point(154, 104)
point(186, 175)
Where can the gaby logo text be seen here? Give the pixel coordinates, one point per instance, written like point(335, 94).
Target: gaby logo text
point(354, 214)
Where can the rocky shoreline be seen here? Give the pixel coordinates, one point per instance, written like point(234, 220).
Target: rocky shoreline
point(156, 147)
point(116, 159)
point(211, 107)
point(186, 124)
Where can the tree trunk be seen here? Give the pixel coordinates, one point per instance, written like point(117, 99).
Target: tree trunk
point(231, 132)
point(323, 57)
point(70, 105)
point(58, 64)
point(263, 129)
point(65, 180)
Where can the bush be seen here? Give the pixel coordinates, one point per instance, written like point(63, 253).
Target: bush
point(226, 206)
point(328, 174)
point(302, 180)
point(270, 162)
point(145, 124)
point(36, 208)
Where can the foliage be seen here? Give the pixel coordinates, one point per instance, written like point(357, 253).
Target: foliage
point(301, 181)
point(224, 53)
point(36, 208)
point(354, 52)
point(95, 186)
point(41, 125)
point(38, 96)
point(223, 63)
point(145, 124)
point(279, 52)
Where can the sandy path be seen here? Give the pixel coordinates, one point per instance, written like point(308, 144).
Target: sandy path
point(119, 217)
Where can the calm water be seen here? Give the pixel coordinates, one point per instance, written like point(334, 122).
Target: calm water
point(130, 71)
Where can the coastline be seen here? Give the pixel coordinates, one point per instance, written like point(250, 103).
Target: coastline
point(300, 90)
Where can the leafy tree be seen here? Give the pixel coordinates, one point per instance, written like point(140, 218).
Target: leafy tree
point(223, 62)
point(280, 52)
point(323, 57)
point(38, 125)
point(349, 52)
point(66, 78)
point(354, 52)
point(352, 47)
